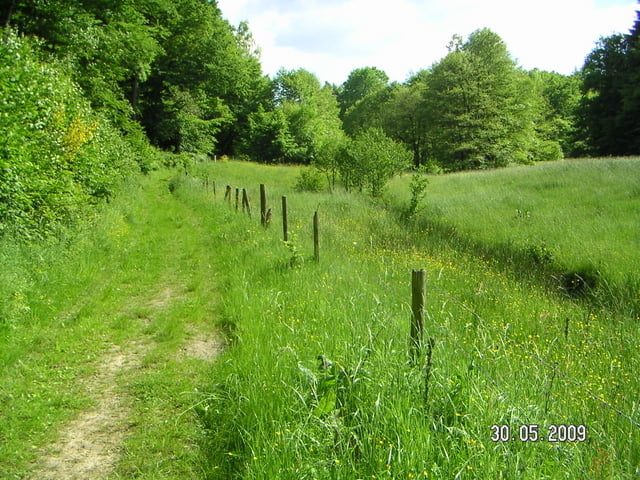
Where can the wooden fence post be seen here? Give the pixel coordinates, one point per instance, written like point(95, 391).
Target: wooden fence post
point(316, 240)
point(237, 197)
point(214, 188)
point(285, 222)
point(227, 194)
point(417, 312)
point(263, 205)
point(245, 202)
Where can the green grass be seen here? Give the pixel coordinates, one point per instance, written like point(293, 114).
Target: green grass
point(160, 265)
point(571, 216)
point(506, 352)
point(140, 272)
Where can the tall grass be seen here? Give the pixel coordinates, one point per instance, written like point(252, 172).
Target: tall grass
point(572, 220)
point(317, 382)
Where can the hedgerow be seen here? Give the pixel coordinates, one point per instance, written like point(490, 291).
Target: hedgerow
point(57, 155)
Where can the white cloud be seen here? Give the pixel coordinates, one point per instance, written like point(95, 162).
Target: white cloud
point(333, 37)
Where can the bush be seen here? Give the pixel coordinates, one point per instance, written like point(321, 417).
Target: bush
point(418, 187)
point(57, 155)
point(372, 159)
point(310, 180)
point(548, 151)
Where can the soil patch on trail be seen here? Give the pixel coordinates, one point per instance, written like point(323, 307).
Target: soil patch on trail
point(90, 446)
point(202, 347)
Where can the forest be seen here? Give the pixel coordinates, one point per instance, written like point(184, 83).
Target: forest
point(96, 90)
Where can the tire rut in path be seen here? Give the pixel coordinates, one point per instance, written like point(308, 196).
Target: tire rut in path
point(89, 447)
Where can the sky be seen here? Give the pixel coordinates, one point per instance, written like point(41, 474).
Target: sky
point(333, 37)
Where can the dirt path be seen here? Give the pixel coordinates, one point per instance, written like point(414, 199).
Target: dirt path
point(157, 309)
point(89, 447)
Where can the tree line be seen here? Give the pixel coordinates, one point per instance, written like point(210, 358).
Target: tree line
point(98, 87)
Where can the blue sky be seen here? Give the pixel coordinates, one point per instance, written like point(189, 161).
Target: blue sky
point(332, 37)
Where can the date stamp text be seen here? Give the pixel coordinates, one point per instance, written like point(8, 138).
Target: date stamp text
point(535, 433)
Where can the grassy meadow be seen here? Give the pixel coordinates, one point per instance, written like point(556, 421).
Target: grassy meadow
point(317, 382)
point(135, 278)
point(570, 217)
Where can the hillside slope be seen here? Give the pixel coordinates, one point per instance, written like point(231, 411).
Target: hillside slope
point(574, 216)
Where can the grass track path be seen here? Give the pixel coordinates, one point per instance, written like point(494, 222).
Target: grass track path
point(147, 314)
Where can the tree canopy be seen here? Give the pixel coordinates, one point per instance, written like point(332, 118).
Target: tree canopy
point(176, 75)
point(610, 106)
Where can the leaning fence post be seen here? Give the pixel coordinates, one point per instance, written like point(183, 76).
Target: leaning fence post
point(263, 205)
point(316, 240)
point(227, 194)
point(417, 312)
point(285, 223)
point(245, 202)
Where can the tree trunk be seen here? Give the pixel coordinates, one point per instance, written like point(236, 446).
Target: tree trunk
point(7, 19)
point(135, 92)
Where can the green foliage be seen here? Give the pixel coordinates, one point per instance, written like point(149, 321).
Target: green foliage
point(327, 156)
point(540, 253)
point(557, 133)
point(304, 118)
point(177, 67)
point(310, 180)
point(194, 105)
point(360, 83)
point(296, 258)
point(371, 160)
point(610, 106)
point(269, 139)
point(368, 112)
point(57, 154)
point(474, 106)
point(405, 118)
point(417, 187)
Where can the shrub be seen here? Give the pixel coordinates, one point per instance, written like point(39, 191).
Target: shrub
point(539, 254)
point(57, 155)
point(418, 187)
point(372, 159)
point(310, 180)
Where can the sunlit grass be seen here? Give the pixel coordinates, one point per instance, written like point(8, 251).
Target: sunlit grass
point(316, 380)
point(137, 274)
point(506, 352)
point(571, 216)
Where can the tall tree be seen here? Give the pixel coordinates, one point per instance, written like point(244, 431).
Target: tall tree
point(630, 121)
point(205, 81)
point(477, 107)
point(360, 83)
point(556, 129)
point(369, 111)
point(404, 117)
point(604, 74)
point(310, 115)
point(610, 109)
